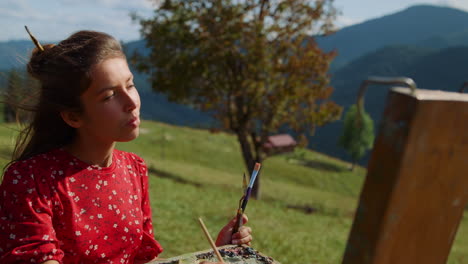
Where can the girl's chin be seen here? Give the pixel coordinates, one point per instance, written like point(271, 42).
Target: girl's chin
point(130, 136)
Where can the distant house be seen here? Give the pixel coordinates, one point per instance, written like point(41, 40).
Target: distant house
point(279, 144)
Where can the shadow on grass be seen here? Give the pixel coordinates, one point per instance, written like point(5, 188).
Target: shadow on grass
point(300, 157)
point(173, 177)
point(306, 209)
point(320, 165)
point(5, 153)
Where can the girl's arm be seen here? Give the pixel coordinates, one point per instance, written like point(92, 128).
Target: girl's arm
point(149, 248)
point(27, 233)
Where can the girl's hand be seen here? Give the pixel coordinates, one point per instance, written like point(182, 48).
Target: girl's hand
point(243, 236)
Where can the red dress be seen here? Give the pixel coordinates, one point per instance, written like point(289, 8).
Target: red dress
point(56, 207)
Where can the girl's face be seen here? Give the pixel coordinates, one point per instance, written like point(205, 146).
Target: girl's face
point(111, 105)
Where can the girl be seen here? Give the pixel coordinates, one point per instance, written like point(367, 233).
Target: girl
point(69, 196)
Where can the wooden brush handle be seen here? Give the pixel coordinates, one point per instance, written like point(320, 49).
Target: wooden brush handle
point(238, 223)
point(210, 240)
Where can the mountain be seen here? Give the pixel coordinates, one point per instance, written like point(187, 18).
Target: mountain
point(446, 40)
point(14, 54)
point(424, 25)
point(426, 43)
point(434, 69)
point(156, 106)
point(387, 61)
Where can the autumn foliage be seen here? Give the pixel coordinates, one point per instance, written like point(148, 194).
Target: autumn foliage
point(253, 64)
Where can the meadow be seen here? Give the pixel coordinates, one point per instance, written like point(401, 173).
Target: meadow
point(307, 200)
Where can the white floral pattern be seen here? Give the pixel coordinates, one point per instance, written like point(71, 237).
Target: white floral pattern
point(78, 213)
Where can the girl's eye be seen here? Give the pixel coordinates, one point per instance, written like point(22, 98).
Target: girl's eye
point(131, 86)
point(109, 96)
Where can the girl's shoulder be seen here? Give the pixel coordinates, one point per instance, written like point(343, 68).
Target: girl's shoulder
point(131, 160)
point(53, 162)
point(32, 173)
point(37, 162)
point(132, 157)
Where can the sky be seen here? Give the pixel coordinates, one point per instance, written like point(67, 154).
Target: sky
point(53, 20)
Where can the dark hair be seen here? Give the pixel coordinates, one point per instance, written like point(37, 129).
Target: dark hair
point(63, 71)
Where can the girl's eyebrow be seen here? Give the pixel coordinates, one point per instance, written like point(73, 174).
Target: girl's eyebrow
point(113, 87)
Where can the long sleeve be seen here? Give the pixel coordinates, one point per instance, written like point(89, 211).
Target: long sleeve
point(26, 231)
point(150, 248)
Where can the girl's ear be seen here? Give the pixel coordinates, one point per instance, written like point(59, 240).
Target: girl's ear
point(71, 118)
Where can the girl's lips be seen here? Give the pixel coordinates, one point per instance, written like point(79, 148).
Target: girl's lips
point(135, 122)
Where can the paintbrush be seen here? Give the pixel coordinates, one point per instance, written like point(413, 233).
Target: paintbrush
point(245, 198)
point(210, 240)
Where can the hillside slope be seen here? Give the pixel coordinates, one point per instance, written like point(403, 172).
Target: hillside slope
point(304, 216)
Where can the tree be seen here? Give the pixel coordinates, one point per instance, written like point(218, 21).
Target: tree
point(14, 84)
point(358, 134)
point(252, 64)
point(20, 96)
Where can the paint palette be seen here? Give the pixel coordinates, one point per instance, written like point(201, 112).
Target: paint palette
point(231, 254)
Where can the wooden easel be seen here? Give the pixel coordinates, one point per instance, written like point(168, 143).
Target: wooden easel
point(416, 186)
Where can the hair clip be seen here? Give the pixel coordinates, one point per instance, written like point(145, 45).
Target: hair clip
point(34, 40)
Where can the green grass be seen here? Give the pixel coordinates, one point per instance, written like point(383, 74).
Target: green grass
point(194, 173)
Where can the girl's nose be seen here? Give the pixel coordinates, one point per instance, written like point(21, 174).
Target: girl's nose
point(132, 101)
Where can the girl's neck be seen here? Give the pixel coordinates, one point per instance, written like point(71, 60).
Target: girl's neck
point(93, 153)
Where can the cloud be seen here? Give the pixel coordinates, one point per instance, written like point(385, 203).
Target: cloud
point(116, 4)
point(373, 9)
point(343, 21)
point(460, 4)
point(19, 10)
point(54, 20)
